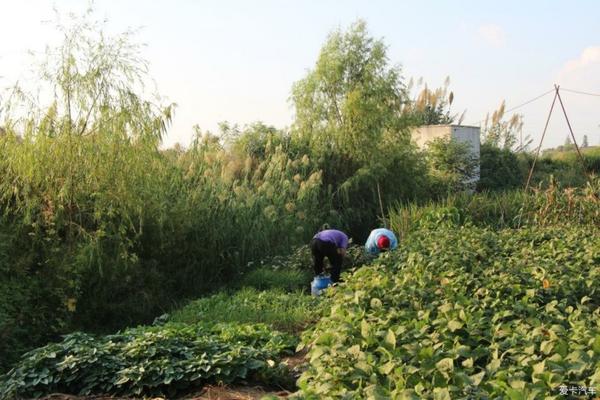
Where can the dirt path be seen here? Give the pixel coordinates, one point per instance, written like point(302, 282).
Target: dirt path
point(236, 393)
point(207, 393)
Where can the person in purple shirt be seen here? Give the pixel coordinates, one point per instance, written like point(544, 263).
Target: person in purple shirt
point(332, 244)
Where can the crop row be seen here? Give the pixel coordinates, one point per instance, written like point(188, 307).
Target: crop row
point(164, 359)
point(465, 312)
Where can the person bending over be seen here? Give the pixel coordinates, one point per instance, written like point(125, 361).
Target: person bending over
point(381, 240)
point(332, 244)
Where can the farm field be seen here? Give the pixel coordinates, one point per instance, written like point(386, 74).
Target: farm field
point(458, 311)
point(133, 266)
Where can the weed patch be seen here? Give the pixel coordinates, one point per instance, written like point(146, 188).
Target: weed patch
point(290, 312)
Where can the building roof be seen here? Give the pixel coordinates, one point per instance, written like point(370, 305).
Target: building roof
point(450, 125)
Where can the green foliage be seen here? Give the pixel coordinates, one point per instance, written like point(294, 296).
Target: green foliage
point(97, 82)
point(290, 312)
point(557, 172)
point(101, 229)
point(156, 360)
point(138, 229)
point(254, 140)
point(501, 169)
point(349, 115)
point(351, 100)
point(505, 164)
point(511, 209)
point(76, 185)
point(566, 165)
point(287, 272)
point(452, 165)
point(294, 271)
point(26, 294)
point(267, 277)
point(269, 203)
point(461, 312)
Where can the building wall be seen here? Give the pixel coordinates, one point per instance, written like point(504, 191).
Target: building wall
point(427, 133)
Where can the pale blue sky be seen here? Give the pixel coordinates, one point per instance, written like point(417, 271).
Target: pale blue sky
point(237, 60)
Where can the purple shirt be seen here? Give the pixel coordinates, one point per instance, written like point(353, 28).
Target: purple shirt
point(336, 237)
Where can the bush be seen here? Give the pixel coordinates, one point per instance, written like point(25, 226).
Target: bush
point(452, 166)
point(500, 169)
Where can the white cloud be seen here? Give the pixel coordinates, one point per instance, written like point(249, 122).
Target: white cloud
point(582, 74)
point(493, 35)
point(588, 63)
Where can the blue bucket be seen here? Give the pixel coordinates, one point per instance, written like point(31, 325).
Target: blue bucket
point(320, 283)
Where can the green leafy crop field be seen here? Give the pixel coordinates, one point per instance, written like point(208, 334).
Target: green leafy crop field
point(151, 360)
point(465, 312)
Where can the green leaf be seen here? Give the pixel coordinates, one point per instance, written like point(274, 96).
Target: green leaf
point(354, 350)
point(426, 352)
point(539, 367)
point(517, 384)
point(390, 339)
point(514, 394)
point(419, 388)
point(454, 325)
point(547, 346)
point(441, 394)
point(376, 303)
point(325, 339)
point(376, 392)
point(493, 365)
point(365, 329)
point(596, 345)
point(477, 378)
point(445, 365)
point(444, 308)
point(122, 380)
point(468, 363)
point(387, 367)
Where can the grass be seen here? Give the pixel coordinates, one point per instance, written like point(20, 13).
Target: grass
point(289, 312)
point(571, 154)
point(266, 277)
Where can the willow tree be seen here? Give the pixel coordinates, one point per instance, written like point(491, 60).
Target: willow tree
point(90, 83)
point(82, 184)
point(92, 106)
point(349, 113)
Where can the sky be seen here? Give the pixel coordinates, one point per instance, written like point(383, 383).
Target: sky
point(236, 61)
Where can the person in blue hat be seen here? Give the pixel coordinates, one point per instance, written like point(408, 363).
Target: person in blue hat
point(379, 240)
point(332, 244)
